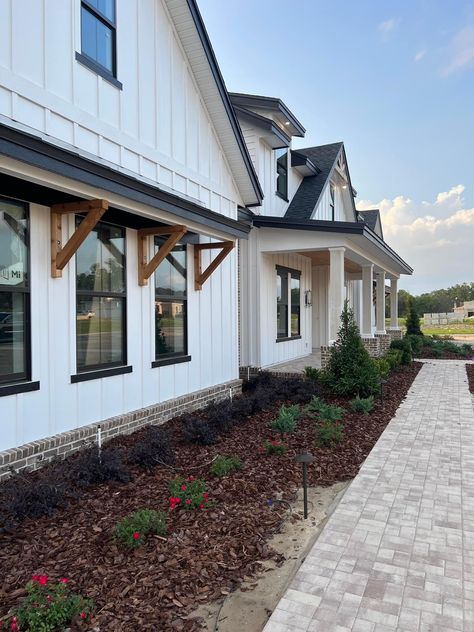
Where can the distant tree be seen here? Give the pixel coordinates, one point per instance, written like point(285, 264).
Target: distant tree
point(413, 321)
point(403, 299)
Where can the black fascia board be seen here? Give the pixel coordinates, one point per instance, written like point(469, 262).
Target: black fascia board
point(34, 151)
point(268, 103)
point(264, 123)
point(348, 228)
point(218, 78)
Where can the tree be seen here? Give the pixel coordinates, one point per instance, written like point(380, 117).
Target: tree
point(350, 370)
point(413, 321)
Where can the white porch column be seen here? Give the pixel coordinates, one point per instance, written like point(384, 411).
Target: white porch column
point(394, 304)
point(336, 291)
point(367, 300)
point(380, 302)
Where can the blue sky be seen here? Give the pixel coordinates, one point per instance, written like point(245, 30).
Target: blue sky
point(393, 80)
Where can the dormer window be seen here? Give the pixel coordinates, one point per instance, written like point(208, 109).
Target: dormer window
point(98, 38)
point(332, 198)
point(282, 173)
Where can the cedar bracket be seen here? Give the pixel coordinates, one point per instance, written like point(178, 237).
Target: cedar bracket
point(200, 276)
point(145, 270)
point(61, 255)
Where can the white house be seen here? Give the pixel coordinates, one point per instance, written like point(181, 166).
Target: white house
point(122, 169)
point(309, 248)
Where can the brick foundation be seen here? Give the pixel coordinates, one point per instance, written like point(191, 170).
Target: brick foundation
point(384, 343)
point(325, 355)
point(395, 334)
point(373, 346)
point(32, 456)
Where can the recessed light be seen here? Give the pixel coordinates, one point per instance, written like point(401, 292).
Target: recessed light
point(287, 122)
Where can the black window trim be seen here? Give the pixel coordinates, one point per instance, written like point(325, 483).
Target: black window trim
point(332, 201)
point(17, 379)
point(88, 61)
point(283, 196)
point(166, 359)
point(94, 369)
point(295, 274)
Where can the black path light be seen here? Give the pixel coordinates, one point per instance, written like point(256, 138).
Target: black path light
point(305, 458)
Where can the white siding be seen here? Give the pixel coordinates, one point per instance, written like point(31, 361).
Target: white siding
point(267, 173)
point(156, 128)
point(342, 211)
point(59, 405)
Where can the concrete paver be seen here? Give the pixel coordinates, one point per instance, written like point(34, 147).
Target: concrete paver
point(397, 555)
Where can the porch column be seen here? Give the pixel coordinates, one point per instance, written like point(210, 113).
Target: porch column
point(336, 291)
point(393, 303)
point(380, 302)
point(367, 300)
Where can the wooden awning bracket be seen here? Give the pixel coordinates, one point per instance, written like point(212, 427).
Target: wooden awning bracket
point(145, 269)
point(200, 276)
point(61, 255)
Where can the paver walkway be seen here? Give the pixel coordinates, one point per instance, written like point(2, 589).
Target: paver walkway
point(397, 554)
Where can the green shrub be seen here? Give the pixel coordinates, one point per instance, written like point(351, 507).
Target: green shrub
point(224, 465)
point(383, 366)
point(48, 607)
point(362, 405)
point(416, 343)
point(311, 373)
point(273, 447)
point(436, 352)
point(287, 419)
point(329, 412)
point(405, 347)
point(467, 350)
point(413, 320)
point(329, 433)
point(189, 493)
point(133, 530)
point(350, 371)
point(315, 406)
point(394, 358)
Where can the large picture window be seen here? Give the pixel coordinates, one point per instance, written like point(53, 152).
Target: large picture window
point(171, 304)
point(14, 292)
point(288, 303)
point(282, 173)
point(98, 34)
point(101, 299)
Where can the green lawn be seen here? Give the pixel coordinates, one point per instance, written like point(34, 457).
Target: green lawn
point(449, 330)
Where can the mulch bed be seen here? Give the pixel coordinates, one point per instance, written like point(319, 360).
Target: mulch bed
point(427, 354)
point(470, 376)
point(208, 553)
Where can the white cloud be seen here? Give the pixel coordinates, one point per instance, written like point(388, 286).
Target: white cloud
point(420, 54)
point(461, 51)
point(386, 27)
point(436, 238)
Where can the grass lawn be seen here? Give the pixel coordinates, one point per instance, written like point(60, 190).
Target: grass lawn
point(449, 330)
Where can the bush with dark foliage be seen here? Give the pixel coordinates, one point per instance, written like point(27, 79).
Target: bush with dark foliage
point(220, 416)
point(152, 448)
point(241, 408)
point(199, 431)
point(92, 467)
point(404, 346)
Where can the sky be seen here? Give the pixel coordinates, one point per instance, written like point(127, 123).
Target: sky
point(395, 82)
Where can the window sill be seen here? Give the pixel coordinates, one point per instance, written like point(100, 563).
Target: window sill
point(283, 197)
point(97, 375)
point(20, 387)
point(169, 361)
point(288, 338)
point(98, 69)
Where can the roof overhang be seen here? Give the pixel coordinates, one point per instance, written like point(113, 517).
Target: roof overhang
point(360, 235)
point(273, 104)
point(197, 46)
point(272, 133)
point(303, 164)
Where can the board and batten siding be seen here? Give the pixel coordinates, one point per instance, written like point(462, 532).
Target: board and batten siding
point(267, 173)
point(323, 209)
point(156, 128)
point(60, 406)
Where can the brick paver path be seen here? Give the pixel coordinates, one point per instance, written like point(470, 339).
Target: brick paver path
point(398, 552)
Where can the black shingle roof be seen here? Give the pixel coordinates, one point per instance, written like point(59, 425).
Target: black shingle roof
point(370, 218)
point(309, 191)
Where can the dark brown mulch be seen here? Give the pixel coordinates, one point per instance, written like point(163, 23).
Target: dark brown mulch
point(208, 553)
point(470, 376)
point(427, 354)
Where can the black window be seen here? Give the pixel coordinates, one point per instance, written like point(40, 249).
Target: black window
point(171, 303)
point(101, 299)
point(288, 303)
point(282, 173)
point(332, 197)
point(98, 33)
point(14, 292)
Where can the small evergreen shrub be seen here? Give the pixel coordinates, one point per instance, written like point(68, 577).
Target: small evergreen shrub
point(133, 530)
point(362, 405)
point(383, 367)
point(416, 343)
point(405, 347)
point(329, 433)
point(188, 493)
point(350, 370)
point(224, 465)
point(93, 467)
point(48, 607)
point(273, 447)
point(394, 358)
point(467, 350)
point(287, 419)
point(412, 320)
point(199, 431)
point(315, 406)
point(152, 448)
point(329, 412)
point(311, 373)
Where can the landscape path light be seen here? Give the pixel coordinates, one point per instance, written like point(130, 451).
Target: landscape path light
point(305, 458)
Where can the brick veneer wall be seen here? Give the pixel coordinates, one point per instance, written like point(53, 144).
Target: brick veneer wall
point(395, 334)
point(384, 342)
point(373, 346)
point(32, 456)
point(325, 355)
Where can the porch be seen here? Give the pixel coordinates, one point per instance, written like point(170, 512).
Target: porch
point(298, 365)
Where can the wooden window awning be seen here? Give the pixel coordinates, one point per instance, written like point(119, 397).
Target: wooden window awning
point(61, 254)
point(201, 276)
point(145, 268)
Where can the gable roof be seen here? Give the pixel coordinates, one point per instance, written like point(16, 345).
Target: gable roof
point(307, 196)
point(371, 218)
point(272, 104)
point(197, 46)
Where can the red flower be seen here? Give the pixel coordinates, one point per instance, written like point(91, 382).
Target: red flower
point(261, 450)
point(201, 506)
point(43, 580)
point(14, 625)
point(188, 502)
point(135, 535)
point(205, 495)
point(48, 597)
point(191, 479)
point(183, 488)
point(64, 580)
point(35, 578)
point(83, 615)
